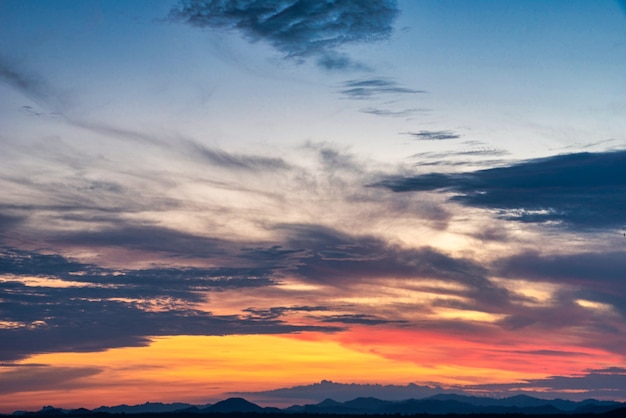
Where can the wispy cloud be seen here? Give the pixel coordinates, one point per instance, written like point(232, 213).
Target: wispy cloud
point(28, 84)
point(372, 87)
point(297, 28)
point(236, 161)
point(433, 135)
point(388, 112)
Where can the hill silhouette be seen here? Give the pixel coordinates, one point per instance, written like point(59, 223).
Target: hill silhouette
point(442, 404)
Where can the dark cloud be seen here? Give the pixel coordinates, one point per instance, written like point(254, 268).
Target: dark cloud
point(348, 318)
point(147, 237)
point(341, 260)
point(297, 28)
point(582, 190)
point(278, 311)
point(597, 276)
point(116, 308)
point(369, 88)
point(9, 222)
point(433, 135)
point(360, 319)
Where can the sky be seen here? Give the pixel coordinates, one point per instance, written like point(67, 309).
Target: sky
point(284, 199)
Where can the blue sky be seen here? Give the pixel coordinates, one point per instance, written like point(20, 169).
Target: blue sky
point(323, 170)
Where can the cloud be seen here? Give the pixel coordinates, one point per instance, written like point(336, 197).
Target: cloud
point(433, 135)
point(609, 383)
point(236, 161)
point(51, 303)
point(334, 61)
point(9, 222)
point(343, 392)
point(336, 258)
point(450, 157)
point(585, 190)
point(387, 112)
point(278, 311)
point(597, 276)
point(360, 319)
point(369, 88)
point(31, 86)
point(29, 377)
point(297, 28)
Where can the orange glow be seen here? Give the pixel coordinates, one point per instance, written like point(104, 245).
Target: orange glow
point(518, 356)
point(202, 369)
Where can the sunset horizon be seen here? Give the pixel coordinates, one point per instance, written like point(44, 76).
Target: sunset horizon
point(206, 198)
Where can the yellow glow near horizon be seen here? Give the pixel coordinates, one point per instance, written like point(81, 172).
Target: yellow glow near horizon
point(201, 369)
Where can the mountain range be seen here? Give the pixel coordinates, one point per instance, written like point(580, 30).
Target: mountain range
point(437, 404)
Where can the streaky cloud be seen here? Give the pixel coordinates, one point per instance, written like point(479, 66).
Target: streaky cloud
point(29, 85)
point(236, 161)
point(372, 87)
point(387, 112)
point(433, 135)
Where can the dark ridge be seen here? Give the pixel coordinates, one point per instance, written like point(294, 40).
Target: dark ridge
point(436, 406)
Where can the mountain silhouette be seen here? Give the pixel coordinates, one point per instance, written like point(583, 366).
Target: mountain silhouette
point(461, 405)
point(236, 405)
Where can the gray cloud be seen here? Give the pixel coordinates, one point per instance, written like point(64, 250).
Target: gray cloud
point(369, 88)
point(40, 377)
point(579, 190)
point(451, 157)
point(598, 276)
point(236, 161)
point(387, 112)
point(433, 135)
point(297, 28)
point(339, 259)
